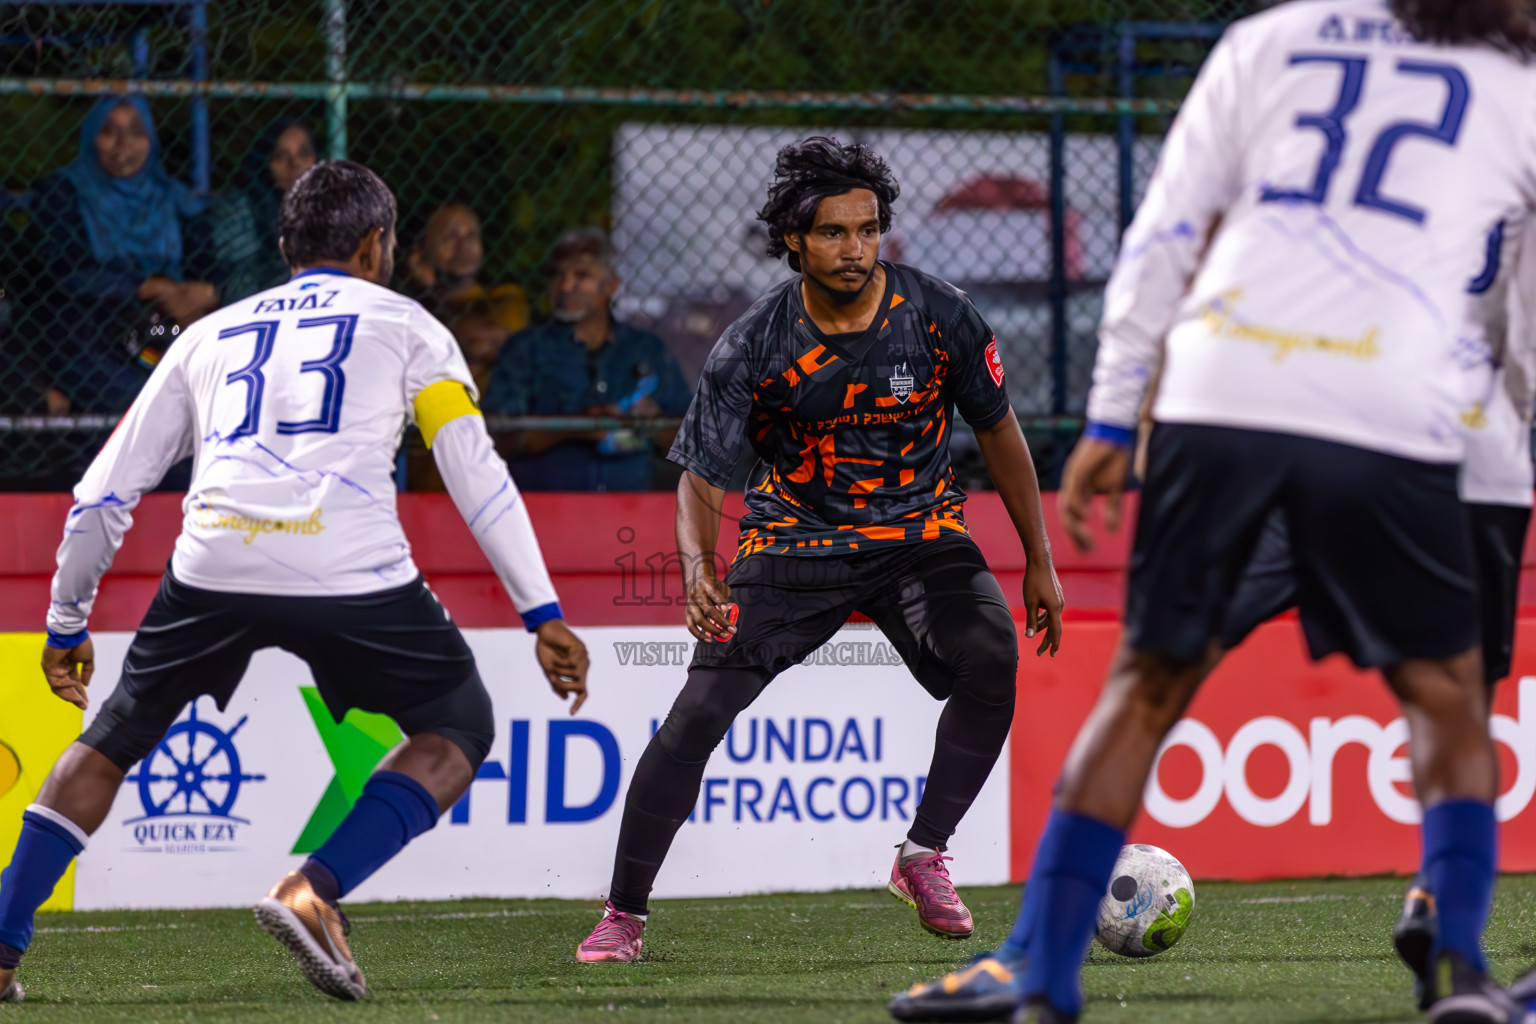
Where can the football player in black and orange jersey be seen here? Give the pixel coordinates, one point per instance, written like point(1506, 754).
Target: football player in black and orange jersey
point(843, 382)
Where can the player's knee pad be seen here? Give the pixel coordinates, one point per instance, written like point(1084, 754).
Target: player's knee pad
point(704, 711)
point(986, 660)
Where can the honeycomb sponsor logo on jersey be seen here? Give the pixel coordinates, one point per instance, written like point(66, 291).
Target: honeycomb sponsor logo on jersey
point(209, 518)
point(1222, 319)
point(1310, 774)
point(188, 788)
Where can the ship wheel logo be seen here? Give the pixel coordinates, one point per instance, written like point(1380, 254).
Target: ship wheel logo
point(195, 771)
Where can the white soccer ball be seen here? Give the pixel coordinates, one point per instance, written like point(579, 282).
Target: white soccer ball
point(1148, 905)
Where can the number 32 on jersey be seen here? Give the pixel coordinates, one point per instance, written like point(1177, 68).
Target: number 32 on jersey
point(1333, 126)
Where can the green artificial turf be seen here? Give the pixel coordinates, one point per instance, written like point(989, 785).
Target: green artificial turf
point(1272, 953)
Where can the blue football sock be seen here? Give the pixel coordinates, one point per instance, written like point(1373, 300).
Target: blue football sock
point(1461, 852)
point(1072, 866)
point(48, 842)
point(1016, 947)
point(393, 810)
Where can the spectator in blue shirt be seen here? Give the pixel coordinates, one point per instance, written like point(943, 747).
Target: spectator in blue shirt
point(583, 362)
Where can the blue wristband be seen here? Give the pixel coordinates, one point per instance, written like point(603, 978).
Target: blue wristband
point(533, 618)
point(67, 641)
point(1120, 437)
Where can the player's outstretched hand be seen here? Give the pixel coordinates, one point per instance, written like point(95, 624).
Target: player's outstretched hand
point(710, 614)
point(1095, 467)
point(563, 657)
point(69, 672)
point(1043, 605)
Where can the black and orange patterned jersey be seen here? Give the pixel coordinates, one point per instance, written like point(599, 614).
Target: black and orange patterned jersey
point(851, 431)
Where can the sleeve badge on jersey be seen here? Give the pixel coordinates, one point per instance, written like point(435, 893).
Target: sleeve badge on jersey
point(994, 363)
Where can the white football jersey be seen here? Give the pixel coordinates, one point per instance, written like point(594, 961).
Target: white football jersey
point(292, 404)
point(296, 400)
point(1310, 242)
point(1498, 468)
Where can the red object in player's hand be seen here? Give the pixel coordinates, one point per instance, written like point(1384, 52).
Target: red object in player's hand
point(730, 616)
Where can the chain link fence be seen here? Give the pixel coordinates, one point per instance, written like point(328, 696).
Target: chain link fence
point(1021, 131)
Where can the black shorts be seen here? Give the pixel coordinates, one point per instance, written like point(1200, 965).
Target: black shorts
point(395, 652)
point(789, 606)
point(1380, 546)
point(1268, 586)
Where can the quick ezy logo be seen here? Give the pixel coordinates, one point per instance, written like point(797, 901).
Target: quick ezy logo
point(188, 787)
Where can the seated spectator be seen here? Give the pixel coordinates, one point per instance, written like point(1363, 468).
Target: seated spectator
point(583, 362)
point(481, 336)
point(442, 272)
point(443, 269)
point(118, 255)
point(244, 220)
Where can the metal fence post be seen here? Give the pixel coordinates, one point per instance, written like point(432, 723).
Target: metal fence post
point(1058, 288)
point(1126, 127)
point(202, 140)
point(336, 71)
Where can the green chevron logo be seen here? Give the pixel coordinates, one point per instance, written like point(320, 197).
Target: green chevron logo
point(356, 745)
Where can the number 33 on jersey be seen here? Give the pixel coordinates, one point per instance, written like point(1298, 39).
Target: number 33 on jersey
point(292, 406)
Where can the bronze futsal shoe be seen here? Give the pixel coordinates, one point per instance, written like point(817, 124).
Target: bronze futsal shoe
point(315, 933)
point(922, 883)
point(10, 989)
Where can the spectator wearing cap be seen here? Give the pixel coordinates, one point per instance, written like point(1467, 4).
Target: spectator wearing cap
point(584, 362)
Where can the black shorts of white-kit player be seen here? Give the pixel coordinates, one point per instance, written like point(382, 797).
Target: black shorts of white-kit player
point(393, 652)
point(1380, 546)
point(1268, 586)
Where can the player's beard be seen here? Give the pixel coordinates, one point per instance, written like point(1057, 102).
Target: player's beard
point(837, 295)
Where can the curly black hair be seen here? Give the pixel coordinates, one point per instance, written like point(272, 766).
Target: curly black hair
point(1499, 22)
point(808, 171)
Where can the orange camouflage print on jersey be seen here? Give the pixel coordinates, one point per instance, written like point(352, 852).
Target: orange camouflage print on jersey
point(851, 431)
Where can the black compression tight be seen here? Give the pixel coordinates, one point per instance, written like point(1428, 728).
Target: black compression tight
point(981, 653)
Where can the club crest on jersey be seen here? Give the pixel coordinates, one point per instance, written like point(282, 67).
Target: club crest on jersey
point(994, 362)
point(901, 383)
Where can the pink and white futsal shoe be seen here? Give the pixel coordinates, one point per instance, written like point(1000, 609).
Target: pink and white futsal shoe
point(923, 884)
point(615, 940)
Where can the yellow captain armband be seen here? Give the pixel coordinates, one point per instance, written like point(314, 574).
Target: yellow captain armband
point(440, 404)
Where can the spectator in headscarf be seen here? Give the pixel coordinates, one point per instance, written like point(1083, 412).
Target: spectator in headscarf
point(244, 220)
point(119, 256)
